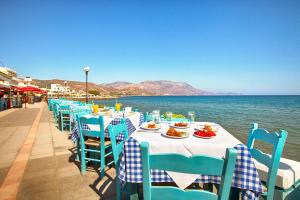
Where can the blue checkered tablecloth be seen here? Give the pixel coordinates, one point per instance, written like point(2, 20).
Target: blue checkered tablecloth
point(245, 175)
point(115, 121)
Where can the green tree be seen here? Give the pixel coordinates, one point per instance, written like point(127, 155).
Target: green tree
point(94, 92)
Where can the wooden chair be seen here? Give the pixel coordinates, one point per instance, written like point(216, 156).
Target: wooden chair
point(94, 143)
point(272, 162)
point(197, 164)
point(117, 148)
point(65, 114)
point(76, 116)
point(56, 112)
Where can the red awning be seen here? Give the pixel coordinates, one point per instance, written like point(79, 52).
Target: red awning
point(16, 89)
point(31, 89)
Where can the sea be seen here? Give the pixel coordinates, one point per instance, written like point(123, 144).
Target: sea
point(234, 113)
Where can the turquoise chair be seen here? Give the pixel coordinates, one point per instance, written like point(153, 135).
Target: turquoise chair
point(1, 105)
point(94, 144)
point(48, 103)
point(197, 164)
point(81, 112)
point(56, 112)
point(65, 114)
point(117, 148)
point(76, 117)
point(51, 104)
point(291, 193)
point(277, 140)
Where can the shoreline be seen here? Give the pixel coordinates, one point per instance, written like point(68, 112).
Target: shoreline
point(138, 96)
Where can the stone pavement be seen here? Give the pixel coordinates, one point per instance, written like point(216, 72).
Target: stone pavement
point(14, 127)
point(51, 171)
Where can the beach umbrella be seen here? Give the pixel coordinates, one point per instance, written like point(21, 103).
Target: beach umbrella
point(30, 89)
point(16, 89)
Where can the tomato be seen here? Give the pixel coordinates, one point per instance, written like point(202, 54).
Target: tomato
point(205, 133)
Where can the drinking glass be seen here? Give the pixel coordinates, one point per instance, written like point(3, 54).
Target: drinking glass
point(111, 112)
point(95, 109)
point(156, 116)
point(192, 116)
point(169, 116)
point(118, 107)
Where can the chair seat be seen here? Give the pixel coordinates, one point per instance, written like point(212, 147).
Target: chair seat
point(288, 172)
point(95, 142)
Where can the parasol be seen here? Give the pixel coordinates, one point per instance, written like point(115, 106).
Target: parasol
point(31, 89)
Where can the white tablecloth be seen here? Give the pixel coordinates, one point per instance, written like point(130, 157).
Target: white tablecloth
point(133, 116)
point(192, 145)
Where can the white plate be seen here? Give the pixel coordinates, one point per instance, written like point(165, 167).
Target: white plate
point(145, 127)
point(180, 127)
point(203, 137)
point(174, 137)
point(215, 127)
point(127, 114)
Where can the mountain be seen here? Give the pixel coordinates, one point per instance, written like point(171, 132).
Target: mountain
point(145, 88)
point(117, 84)
point(160, 88)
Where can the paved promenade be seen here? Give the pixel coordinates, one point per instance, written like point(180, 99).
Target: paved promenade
point(50, 171)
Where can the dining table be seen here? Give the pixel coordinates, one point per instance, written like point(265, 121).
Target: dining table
point(245, 178)
point(133, 121)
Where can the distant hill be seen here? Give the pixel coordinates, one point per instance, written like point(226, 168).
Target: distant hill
point(145, 88)
point(158, 88)
point(117, 84)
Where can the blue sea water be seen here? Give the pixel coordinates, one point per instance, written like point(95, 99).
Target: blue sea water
point(234, 113)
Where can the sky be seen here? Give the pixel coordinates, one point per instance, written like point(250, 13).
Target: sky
point(249, 47)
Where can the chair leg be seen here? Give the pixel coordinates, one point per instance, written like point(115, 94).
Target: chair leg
point(62, 124)
point(83, 163)
point(118, 187)
point(102, 159)
point(77, 150)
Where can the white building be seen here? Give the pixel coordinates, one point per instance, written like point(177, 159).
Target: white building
point(58, 88)
point(8, 77)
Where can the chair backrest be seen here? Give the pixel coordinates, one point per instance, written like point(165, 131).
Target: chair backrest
point(56, 109)
point(197, 164)
point(76, 114)
point(94, 121)
point(65, 108)
point(277, 139)
point(114, 132)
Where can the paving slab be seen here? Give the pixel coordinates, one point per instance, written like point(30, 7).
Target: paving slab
point(14, 128)
point(52, 172)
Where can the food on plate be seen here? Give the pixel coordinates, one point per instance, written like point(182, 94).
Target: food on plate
point(151, 125)
point(207, 127)
point(174, 132)
point(205, 133)
point(174, 116)
point(181, 124)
